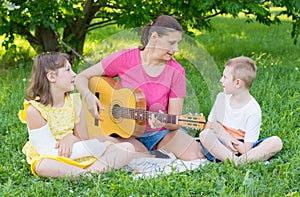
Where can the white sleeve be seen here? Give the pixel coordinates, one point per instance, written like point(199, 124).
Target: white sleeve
point(253, 122)
point(44, 143)
point(218, 110)
point(253, 128)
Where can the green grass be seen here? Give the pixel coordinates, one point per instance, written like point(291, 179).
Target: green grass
point(276, 88)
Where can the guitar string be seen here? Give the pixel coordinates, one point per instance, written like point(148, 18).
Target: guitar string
point(141, 114)
point(125, 112)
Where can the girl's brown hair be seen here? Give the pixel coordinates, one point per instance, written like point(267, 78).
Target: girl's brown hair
point(39, 87)
point(162, 25)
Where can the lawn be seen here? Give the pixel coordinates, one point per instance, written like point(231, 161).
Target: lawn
point(276, 89)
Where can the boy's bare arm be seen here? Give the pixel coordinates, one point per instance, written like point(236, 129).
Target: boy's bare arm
point(221, 132)
point(228, 139)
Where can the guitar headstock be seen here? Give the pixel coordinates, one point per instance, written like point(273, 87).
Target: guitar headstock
point(193, 121)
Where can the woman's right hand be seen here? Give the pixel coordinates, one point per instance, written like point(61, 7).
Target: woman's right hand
point(93, 105)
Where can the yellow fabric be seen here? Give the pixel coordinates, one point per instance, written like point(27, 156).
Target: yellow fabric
point(61, 122)
point(81, 163)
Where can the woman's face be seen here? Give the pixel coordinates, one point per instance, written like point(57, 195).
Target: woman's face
point(167, 45)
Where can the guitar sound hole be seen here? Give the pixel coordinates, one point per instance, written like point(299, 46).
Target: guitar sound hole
point(116, 111)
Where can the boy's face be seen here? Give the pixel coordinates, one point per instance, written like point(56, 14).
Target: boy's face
point(228, 84)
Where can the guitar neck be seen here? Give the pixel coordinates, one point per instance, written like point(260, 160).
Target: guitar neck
point(140, 114)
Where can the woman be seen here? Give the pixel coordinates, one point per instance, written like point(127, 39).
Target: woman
point(152, 69)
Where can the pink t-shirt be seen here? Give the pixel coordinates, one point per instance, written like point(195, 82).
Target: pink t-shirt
point(128, 66)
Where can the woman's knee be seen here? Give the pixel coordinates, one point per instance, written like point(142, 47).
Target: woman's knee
point(126, 146)
point(182, 145)
point(170, 136)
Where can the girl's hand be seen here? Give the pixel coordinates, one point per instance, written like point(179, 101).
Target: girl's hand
point(154, 122)
point(93, 105)
point(65, 145)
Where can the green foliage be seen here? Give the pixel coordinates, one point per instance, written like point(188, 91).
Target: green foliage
point(15, 56)
point(276, 88)
point(292, 10)
point(38, 21)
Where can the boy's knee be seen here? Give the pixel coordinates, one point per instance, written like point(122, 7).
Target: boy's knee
point(277, 143)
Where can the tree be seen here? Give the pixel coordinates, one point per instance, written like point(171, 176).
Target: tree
point(38, 21)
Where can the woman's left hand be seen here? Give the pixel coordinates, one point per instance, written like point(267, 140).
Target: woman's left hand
point(154, 122)
point(65, 145)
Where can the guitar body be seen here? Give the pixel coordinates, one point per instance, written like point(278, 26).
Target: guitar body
point(106, 89)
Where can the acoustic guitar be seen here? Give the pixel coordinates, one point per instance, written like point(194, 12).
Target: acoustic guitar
point(124, 112)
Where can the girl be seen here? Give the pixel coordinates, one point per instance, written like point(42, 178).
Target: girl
point(59, 144)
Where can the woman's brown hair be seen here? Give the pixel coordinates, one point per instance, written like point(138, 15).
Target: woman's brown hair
point(162, 25)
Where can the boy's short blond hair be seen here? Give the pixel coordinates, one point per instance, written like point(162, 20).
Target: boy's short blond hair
point(244, 68)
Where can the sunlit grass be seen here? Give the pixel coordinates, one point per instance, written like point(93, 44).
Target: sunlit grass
point(276, 88)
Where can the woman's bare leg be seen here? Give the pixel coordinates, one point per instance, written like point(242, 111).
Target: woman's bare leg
point(139, 147)
point(181, 145)
point(115, 157)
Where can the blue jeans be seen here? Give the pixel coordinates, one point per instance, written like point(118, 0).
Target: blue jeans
point(150, 140)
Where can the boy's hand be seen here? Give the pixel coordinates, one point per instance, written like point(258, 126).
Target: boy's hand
point(231, 144)
point(228, 140)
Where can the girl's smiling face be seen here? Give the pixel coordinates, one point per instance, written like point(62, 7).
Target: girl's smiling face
point(65, 78)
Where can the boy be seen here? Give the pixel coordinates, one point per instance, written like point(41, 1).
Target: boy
point(233, 125)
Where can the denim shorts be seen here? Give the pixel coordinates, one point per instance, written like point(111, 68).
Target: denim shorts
point(210, 157)
point(151, 139)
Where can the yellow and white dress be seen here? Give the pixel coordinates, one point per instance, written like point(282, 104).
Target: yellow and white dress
point(61, 122)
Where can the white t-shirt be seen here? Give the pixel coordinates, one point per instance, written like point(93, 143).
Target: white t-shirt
point(247, 118)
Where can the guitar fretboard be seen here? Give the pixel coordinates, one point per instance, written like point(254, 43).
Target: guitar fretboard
point(140, 114)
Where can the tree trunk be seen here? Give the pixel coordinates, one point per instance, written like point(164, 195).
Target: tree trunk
point(47, 39)
point(75, 33)
point(74, 37)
